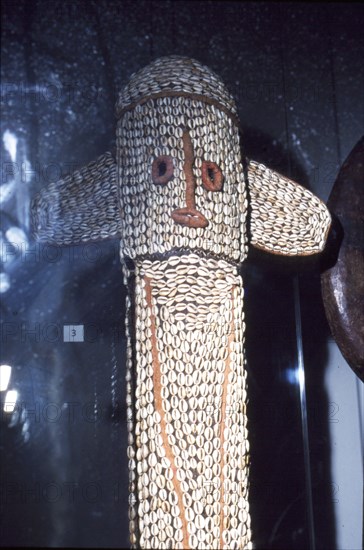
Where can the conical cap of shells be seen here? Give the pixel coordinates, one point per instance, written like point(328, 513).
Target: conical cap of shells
point(174, 75)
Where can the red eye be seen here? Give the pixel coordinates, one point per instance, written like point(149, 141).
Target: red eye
point(212, 177)
point(162, 170)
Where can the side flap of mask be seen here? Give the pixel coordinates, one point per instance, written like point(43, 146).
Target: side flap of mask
point(81, 207)
point(285, 218)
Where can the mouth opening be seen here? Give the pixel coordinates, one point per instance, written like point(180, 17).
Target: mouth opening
point(189, 217)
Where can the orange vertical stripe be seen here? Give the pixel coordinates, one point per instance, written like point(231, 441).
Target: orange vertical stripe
point(158, 407)
point(222, 422)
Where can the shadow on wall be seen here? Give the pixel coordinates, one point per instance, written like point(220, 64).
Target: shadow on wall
point(278, 495)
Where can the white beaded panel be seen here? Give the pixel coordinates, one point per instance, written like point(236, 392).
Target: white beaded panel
point(191, 442)
point(286, 218)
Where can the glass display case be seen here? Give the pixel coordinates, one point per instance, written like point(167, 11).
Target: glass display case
point(64, 465)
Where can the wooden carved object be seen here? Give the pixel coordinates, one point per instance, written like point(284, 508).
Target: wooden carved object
point(177, 196)
point(343, 283)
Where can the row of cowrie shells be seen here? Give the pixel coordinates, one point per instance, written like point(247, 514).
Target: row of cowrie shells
point(131, 421)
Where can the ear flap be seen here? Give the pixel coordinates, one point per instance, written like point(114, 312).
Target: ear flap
point(81, 207)
point(285, 218)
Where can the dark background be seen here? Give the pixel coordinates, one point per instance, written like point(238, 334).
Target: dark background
point(296, 71)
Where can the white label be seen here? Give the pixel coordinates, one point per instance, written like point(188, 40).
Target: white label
point(73, 333)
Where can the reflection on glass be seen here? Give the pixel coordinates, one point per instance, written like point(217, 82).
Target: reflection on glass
point(4, 282)
point(5, 373)
point(10, 401)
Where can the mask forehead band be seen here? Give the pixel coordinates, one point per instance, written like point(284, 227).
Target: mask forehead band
point(197, 97)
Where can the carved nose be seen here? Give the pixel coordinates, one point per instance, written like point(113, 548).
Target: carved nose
point(189, 215)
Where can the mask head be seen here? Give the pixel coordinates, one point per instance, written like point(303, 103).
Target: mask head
point(179, 164)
